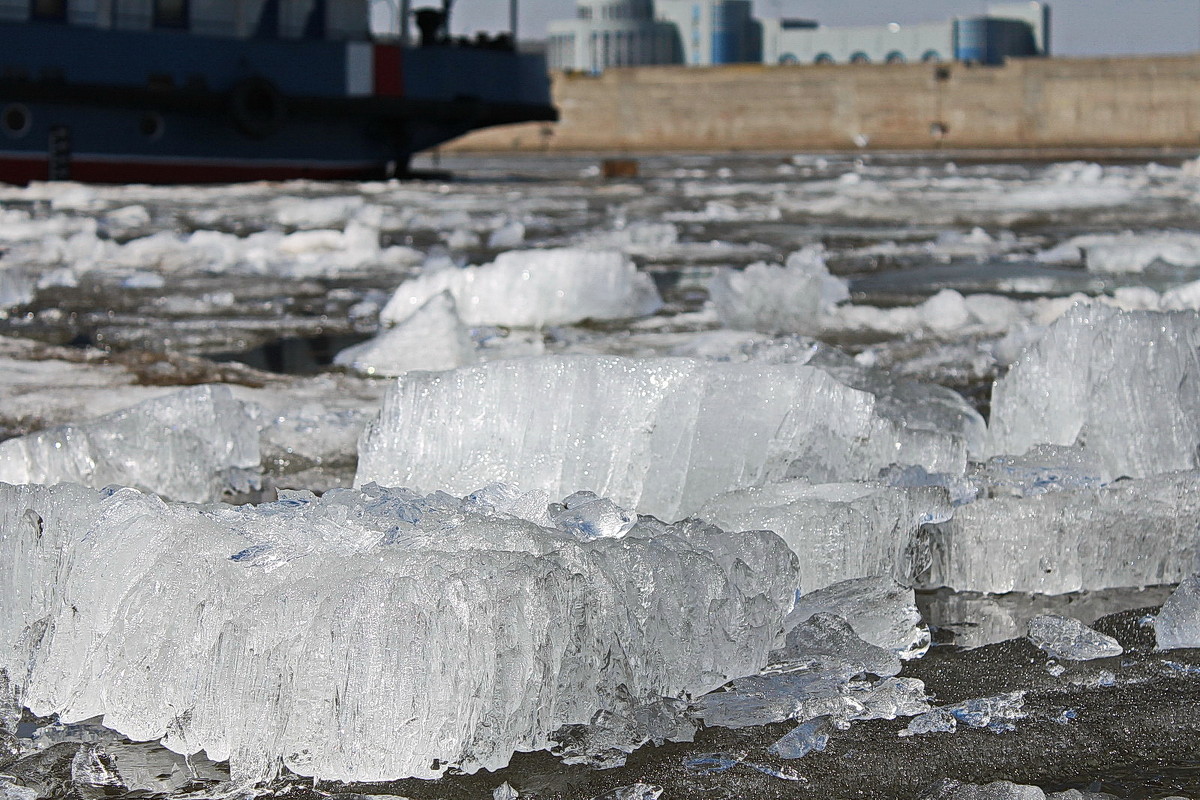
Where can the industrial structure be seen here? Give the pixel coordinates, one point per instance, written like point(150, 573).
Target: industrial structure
point(618, 33)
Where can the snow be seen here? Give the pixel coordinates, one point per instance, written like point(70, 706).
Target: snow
point(661, 436)
point(367, 634)
point(534, 288)
point(192, 445)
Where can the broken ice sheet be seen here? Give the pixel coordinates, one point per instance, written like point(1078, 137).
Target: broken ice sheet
point(880, 610)
point(808, 737)
point(1070, 639)
point(192, 445)
point(659, 436)
point(328, 643)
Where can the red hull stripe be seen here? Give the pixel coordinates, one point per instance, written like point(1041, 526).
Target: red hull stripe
point(389, 78)
point(22, 170)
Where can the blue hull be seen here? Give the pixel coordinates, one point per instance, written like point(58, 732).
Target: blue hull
point(177, 107)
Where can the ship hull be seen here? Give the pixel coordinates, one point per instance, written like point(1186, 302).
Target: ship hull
point(355, 111)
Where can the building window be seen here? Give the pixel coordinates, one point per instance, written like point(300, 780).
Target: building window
point(931, 57)
point(170, 13)
point(860, 58)
point(895, 57)
point(49, 10)
point(789, 58)
point(823, 58)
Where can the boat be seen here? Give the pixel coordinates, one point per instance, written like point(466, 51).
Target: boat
point(193, 91)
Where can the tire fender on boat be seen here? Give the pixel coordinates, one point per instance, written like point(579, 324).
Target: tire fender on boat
point(257, 107)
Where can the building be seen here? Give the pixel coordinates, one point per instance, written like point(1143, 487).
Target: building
point(1007, 29)
point(713, 31)
point(611, 33)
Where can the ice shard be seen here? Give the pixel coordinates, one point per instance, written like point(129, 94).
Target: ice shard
point(839, 530)
point(534, 288)
point(192, 445)
point(658, 435)
point(1129, 533)
point(366, 634)
point(880, 610)
point(1123, 385)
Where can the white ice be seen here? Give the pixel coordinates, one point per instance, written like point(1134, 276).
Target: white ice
point(778, 299)
point(534, 288)
point(367, 634)
point(432, 338)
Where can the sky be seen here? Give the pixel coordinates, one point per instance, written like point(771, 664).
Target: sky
point(1078, 27)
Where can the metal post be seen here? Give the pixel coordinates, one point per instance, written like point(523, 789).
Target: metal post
point(512, 21)
point(403, 13)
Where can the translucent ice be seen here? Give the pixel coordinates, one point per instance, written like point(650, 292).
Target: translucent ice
point(808, 737)
point(1129, 533)
point(1137, 252)
point(997, 714)
point(774, 299)
point(658, 435)
point(16, 288)
point(1070, 639)
point(880, 610)
point(1044, 468)
point(1178, 622)
point(840, 530)
point(1123, 385)
point(370, 634)
point(191, 445)
point(432, 338)
point(534, 288)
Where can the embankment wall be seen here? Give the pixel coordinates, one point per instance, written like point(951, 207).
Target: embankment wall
point(1055, 103)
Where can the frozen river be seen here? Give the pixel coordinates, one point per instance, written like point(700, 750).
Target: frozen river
point(751, 476)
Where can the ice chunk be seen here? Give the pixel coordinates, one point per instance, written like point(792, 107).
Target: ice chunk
point(881, 611)
point(1135, 253)
point(510, 234)
point(774, 299)
point(841, 530)
point(535, 288)
point(365, 635)
point(659, 435)
point(505, 791)
point(827, 638)
point(634, 791)
point(1129, 533)
point(191, 445)
point(1178, 622)
point(592, 517)
point(1070, 639)
point(997, 714)
point(808, 737)
point(1123, 385)
point(997, 790)
point(433, 338)
point(16, 289)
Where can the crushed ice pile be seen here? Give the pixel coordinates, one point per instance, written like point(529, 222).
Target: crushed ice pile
point(310, 611)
